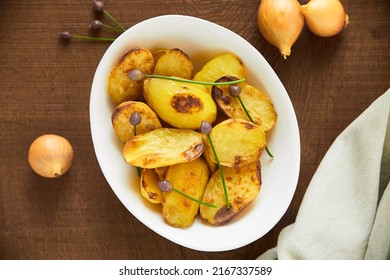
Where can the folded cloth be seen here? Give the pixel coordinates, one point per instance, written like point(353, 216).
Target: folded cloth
point(345, 213)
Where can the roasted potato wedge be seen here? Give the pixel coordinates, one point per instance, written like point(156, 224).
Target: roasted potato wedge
point(120, 87)
point(257, 103)
point(174, 63)
point(180, 104)
point(121, 119)
point(163, 147)
point(149, 187)
point(190, 178)
point(223, 65)
point(237, 142)
point(243, 186)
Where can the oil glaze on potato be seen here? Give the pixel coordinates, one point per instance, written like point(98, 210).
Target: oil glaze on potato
point(149, 187)
point(257, 103)
point(174, 63)
point(237, 142)
point(223, 65)
point(121, 119)
point(120, 87)
point(243, 186)
point(180, 104)
point(163, 147)
point(191, 178)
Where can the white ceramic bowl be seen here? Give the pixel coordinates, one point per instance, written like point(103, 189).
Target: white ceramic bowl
point(201, 40)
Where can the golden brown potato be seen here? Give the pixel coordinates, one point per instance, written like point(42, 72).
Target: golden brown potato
point(149, 187)
point(180, 104)
point(174, 63)
point(237, 142)
point(190, 178)
point(223, 65)
point(121, 119)
point(120, 87)
point(163, 147)
point(243, 186)
point(257, 103)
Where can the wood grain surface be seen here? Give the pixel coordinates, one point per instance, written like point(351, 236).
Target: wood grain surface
point(45, 88)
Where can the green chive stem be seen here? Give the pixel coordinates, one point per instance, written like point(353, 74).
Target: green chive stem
point(107, 14)
point(111, 28)
point(194, 82)
point(245, 110)
point(269, 152)
point(221, 172)
point(250, 118)
point(193, 199)
point(93, 38)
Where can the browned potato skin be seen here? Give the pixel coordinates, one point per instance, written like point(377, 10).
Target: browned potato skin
point(257, 103)
point(237, 142)
point(176, 63)
point(191, 178)
point(120, 87)
point(163, 147)
point(149, 186)
point(243, 186)
point(121, 119)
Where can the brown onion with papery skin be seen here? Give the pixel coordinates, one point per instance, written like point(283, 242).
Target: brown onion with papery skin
point(280, 22)
point(325, 18)
point(50, 155)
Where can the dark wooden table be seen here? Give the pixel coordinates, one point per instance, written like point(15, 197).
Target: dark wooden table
point(45, 88)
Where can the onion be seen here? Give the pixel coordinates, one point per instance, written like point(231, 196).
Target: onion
point(280, 22)
point(325, 18)
point(50, 155)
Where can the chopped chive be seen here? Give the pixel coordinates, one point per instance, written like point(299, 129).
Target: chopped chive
point(93, 38)
point(221, 172)
point(245, 110)
point(98, 7)
point(97, 25)
point(194, 82)
point(166, 186)
point(137, 75)
point(107, 14)
point(193, 199)
point(205, 128)
point(269, 152)
point(65, 35)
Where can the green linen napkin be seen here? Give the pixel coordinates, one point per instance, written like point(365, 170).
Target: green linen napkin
point(345, 213)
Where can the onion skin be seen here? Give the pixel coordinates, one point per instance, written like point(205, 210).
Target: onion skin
point(280, 22)
point(50, 156)
point(325, 18)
